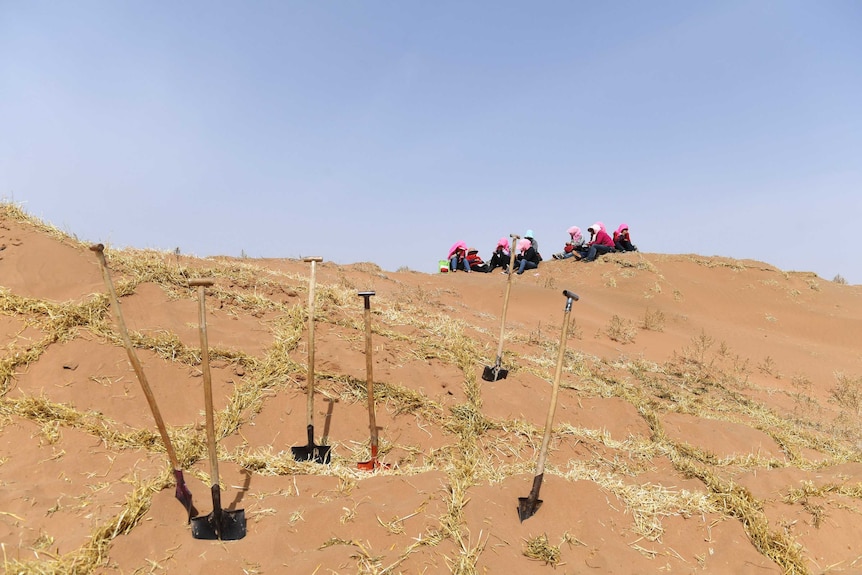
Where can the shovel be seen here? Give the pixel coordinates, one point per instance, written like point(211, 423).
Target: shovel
point(182, 493)
point(372, 463)
point(220, 524)
point(311, 452)
point(497, 372)
point(527, 506)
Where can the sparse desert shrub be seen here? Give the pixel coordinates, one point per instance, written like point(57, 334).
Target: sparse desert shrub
point(653, 320)
point(839, 279)
point(621, 330)
point(802, 391)
point(539, 548)
point(574, 330)
point(847, 392)
point(767, 367)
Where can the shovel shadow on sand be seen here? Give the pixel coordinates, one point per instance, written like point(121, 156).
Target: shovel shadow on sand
point(331, 401)
point(240, 494)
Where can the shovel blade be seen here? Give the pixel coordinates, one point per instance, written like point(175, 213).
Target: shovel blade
point(316, 453)
point(224, 526)
point(183, 494)
point(494, 373)
point(372, 465)
point(527, 507)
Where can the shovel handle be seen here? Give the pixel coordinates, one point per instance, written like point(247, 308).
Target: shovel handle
point(205, 282)
point(546, 440)
point(310, 398)
point(515, 238)
point(372, 420)
point(99, 250)
point(208, 383)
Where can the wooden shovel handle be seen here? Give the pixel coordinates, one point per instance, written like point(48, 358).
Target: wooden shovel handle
point(372, 419)
point(311, 283)
point(515, 238)
point(99, 249)
point(208, 384)
point(546, 440)
point(205, 282)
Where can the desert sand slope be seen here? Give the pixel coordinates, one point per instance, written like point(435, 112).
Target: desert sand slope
point(707, 419)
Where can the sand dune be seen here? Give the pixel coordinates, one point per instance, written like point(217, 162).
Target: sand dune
point(707, 420)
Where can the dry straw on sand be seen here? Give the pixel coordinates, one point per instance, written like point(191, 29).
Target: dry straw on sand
point(707, 419)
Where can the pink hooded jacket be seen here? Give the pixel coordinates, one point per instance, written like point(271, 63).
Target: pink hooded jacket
point(455, 247)
point(602, 238)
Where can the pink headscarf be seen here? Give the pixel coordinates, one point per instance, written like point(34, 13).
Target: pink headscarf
point(524, 244)
point(622, 227)
point(575, 232)
point(598, 226)
point(503, 243)
point(455, 247)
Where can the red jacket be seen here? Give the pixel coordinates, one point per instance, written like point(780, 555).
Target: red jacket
point(603, 239)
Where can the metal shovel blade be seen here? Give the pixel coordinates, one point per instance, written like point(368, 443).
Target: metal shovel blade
point(494, 373)
point(527, 506)
point(183, 494)
point(312, 452)
point(221, 524)
point(372, 465)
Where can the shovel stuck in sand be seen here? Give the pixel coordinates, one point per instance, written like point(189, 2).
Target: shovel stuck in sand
point(372, 463)
point(495, 372)
point(311, 452)
point(182, 492)
point(527, 506)
point(221, 524)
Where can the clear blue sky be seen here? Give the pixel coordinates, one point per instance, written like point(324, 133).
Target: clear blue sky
point(385, 131)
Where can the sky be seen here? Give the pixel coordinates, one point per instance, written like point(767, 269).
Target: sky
point(385, 131)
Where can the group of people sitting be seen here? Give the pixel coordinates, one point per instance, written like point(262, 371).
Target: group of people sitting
point(600, 242)
point(527, 256)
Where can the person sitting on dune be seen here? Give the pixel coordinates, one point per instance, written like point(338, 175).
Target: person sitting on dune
point(458, 257)
point(500, 258)
point(574, 246)
point(622, 239)
point(602, 244)
point(528, 259)
point(475, 262)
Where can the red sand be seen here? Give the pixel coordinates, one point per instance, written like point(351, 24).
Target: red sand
point(723, 440)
